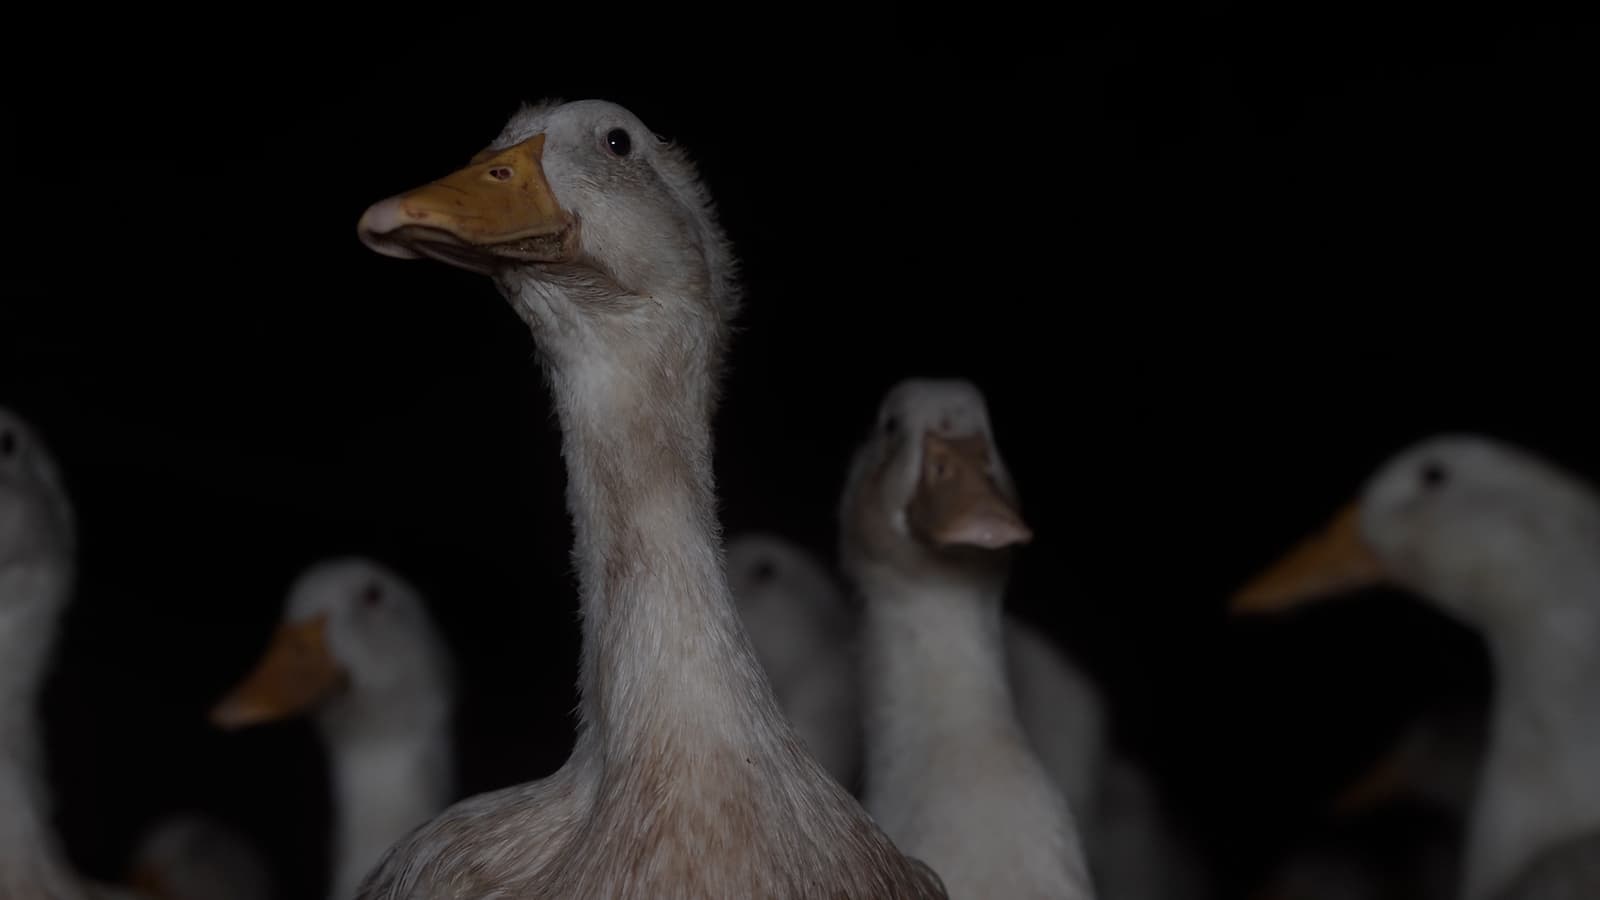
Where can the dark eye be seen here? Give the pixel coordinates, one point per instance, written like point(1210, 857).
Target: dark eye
point(619, 142)
point(372, 594)
point(891, 425)
point(765, 571)
point(8, 444)
point(1433, 474)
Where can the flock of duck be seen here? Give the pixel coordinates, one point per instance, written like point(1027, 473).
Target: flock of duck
point(752, 721)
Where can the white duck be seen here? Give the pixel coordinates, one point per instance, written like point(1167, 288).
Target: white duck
point(193, 856)
point(1510, 545)
point(927, 522)
point(38, 547)
point(357, 648)
point(686, 779)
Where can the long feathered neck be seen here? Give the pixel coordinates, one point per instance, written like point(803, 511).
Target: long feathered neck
point(1540, 783)
point(392, 769)
point(935, 663)
point(666, 663)
point(31, 858)
point(950, 773)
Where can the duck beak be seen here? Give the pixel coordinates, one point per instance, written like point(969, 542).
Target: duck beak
point(956, 502)
point(498, 209)
point(296, 673)
point(1376, 785)
point(1333, 561)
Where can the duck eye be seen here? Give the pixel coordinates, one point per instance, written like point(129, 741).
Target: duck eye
point(765, 571)
point(8, 444)
point(891, 425)
point(1433, 475)
point(619, 142)
point(372, 595)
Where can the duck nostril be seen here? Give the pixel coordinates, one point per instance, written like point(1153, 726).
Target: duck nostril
point(500, 173)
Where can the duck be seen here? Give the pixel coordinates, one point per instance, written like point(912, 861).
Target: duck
point(1505, 542)
point(38, 571)
point(357, 650)
point(928, 521)
point(192, 855)
point(686, 779)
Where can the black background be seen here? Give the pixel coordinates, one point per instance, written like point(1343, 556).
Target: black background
point(1209, 265)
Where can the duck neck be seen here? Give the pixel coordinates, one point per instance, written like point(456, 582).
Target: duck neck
point(935, 666)
point(386, 781)
point(30, 599)
point(1539, 783)
point(666, 666)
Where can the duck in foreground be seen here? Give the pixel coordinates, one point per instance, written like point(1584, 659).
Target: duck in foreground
point(1510, 545)
point(686, 779)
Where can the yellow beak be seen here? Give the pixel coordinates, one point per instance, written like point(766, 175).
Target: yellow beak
point(500, 208)
point(297, 672)
point(1333, 561)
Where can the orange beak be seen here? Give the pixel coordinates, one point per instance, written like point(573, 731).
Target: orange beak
point(957, 503)
point(498, 209)
point(297, 672)
point(1334, 561)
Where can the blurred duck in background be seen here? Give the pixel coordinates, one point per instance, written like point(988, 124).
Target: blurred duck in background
point(38, 559)
point(1509, 544)
point(357, 650)
point(929, 519)
point(194, 856)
